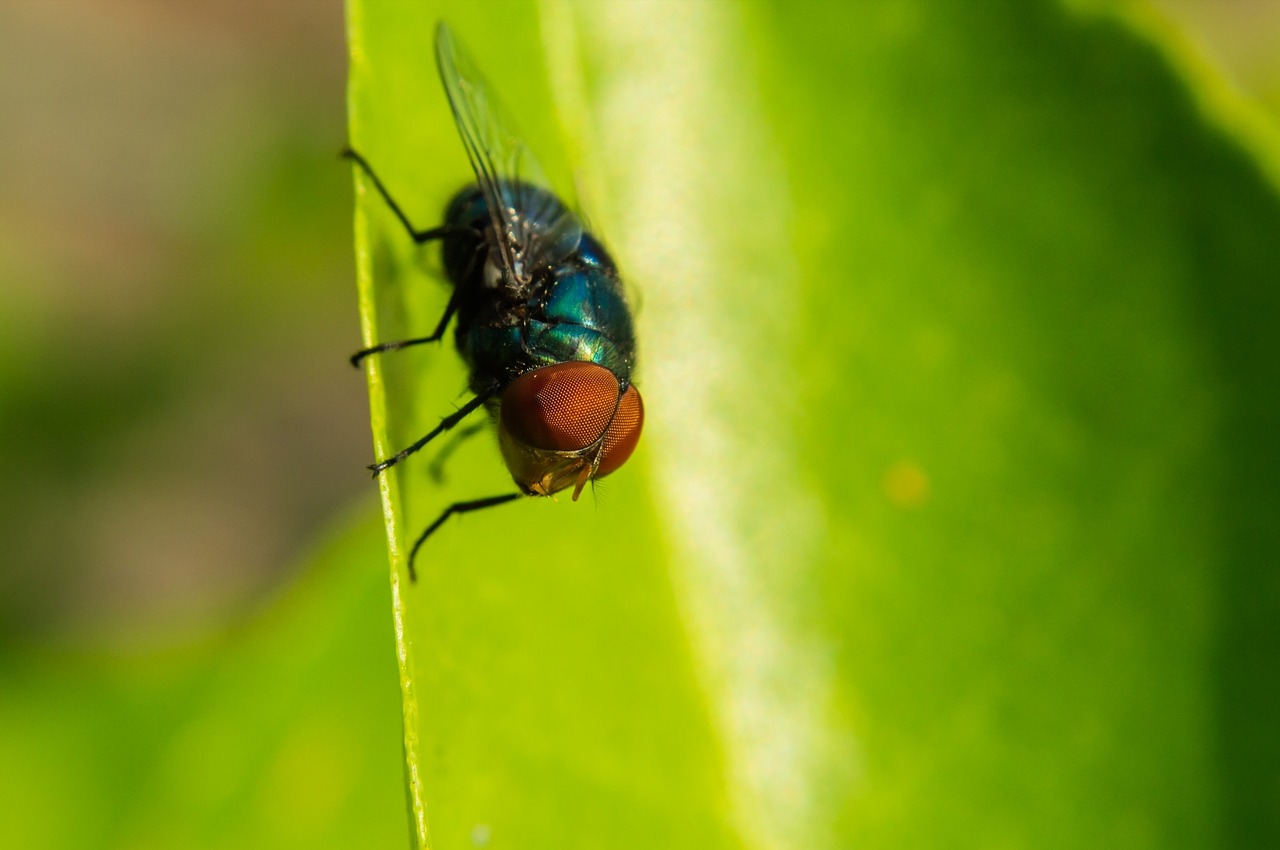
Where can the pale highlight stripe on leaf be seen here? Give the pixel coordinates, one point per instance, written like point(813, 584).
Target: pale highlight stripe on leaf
point(696, 186)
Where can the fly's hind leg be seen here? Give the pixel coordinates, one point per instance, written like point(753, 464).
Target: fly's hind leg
point(418, 236)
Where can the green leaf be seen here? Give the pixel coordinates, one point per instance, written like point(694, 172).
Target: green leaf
point(953, 520)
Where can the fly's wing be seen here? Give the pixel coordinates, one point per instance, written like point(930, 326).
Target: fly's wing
point(529, 224)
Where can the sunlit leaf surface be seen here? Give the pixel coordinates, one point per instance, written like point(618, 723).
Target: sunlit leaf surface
point(952, 524)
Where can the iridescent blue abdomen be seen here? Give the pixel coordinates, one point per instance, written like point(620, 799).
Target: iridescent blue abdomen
point(570, 306)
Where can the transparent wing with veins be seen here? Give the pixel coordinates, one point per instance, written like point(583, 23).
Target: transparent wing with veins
point(529, 225)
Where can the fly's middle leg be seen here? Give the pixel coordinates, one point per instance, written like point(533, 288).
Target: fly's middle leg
point(436, 335)
point(445, 424)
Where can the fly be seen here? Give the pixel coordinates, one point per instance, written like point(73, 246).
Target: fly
point(542, 321)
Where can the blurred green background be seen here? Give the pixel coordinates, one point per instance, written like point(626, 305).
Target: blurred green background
point(195, 641)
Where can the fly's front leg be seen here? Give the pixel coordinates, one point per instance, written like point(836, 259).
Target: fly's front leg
point(456, 508)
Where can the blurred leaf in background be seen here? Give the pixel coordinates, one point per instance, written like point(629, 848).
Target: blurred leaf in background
point(280, 733)
point(952, 525)
point(178, 432)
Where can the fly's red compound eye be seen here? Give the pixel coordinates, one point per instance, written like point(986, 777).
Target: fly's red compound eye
point(561, 408)
point(565, 408)
point(624, 432)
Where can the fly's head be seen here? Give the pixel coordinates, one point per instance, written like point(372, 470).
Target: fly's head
point(562, 425)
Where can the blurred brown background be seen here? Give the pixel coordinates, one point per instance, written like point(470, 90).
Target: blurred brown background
point(1240, 38)
point(176, 302)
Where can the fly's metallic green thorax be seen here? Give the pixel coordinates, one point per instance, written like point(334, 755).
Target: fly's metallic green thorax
point(567, 305)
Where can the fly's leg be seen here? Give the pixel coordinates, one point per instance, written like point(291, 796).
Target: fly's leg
point(456, 508)
point(405, 343)
point(445, 424)
point(419, 237)
point(437, 463)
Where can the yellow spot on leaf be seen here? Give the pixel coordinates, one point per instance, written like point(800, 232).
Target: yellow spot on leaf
point(906, 484)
